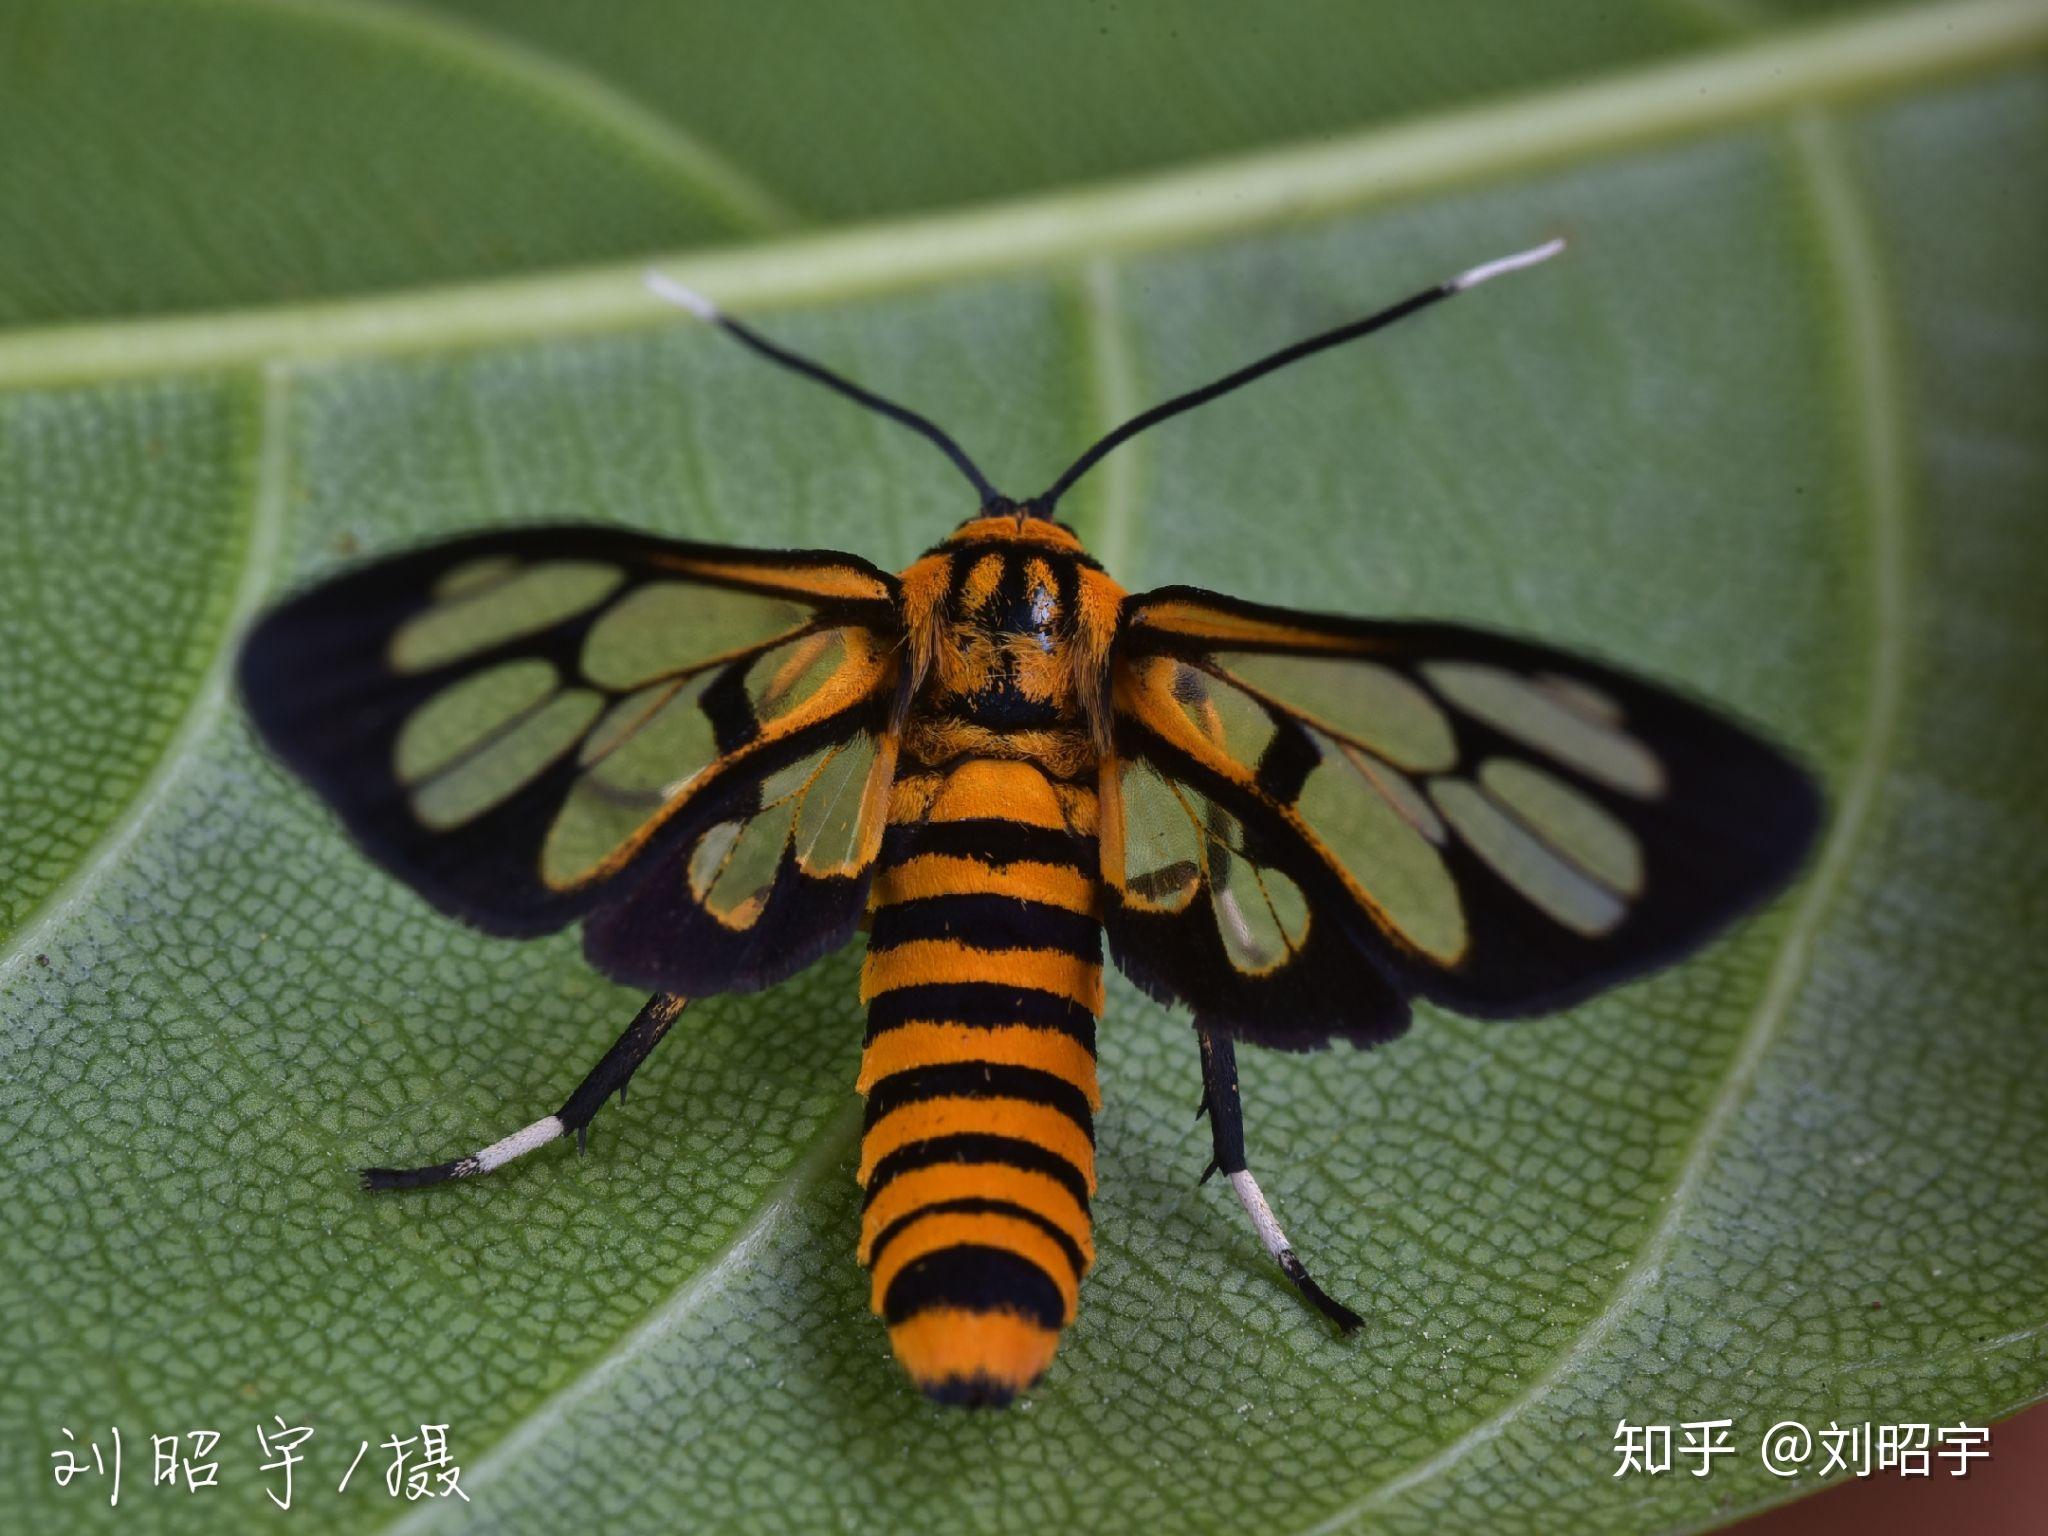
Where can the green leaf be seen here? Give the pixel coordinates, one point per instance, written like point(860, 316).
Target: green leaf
point(298, 280)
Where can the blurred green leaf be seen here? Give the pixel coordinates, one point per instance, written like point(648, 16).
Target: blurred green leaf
point(1774, 431)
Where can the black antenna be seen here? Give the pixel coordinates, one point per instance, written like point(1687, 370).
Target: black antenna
point(1043, 505)
point(688, 298)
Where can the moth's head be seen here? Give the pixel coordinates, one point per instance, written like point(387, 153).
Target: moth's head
point(1018, 523)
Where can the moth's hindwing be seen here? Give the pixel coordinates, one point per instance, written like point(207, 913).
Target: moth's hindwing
point(1315, 818)
point(687, 745)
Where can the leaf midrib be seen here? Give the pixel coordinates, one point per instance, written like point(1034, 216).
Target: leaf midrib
point(1747, 81)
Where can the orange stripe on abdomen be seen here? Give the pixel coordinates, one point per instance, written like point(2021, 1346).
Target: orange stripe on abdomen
point(983, 981)
point(939, 874)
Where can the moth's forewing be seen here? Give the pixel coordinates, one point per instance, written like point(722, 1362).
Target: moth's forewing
point(540, 724)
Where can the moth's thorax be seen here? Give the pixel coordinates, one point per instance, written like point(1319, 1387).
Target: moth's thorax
point(1010, 625)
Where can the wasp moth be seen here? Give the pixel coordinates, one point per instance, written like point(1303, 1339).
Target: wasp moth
point(722, 762)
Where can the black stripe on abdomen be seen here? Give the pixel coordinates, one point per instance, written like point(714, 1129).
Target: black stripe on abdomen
point(974, 1278)
point(988, 922)
point(980, 1005)
point(989, 840)
point(972, 1205)
point(977, 1150)
point(979, 1080)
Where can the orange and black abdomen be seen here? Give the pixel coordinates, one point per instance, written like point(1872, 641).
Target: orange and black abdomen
point(983, 982)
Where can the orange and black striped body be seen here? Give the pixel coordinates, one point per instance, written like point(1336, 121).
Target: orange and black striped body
point(983, 978)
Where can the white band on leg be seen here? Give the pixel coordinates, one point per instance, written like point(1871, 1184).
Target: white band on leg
point(518, 1144)
point(1254, 1201)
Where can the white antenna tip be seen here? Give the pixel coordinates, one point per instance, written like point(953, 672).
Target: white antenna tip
point(1492, 269)
point(673, 292)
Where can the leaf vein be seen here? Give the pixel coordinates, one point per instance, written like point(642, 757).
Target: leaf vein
point(1113, 390)
point(259, 557)
point(748, 205)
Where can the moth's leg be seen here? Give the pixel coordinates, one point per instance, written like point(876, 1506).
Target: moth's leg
point(612, 1073)
point(1226, 1124)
